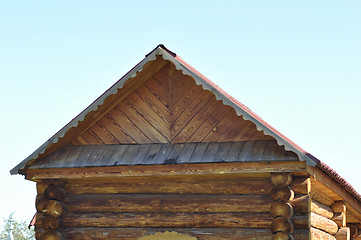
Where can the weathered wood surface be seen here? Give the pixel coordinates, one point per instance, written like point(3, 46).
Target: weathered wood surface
point(167, 203)
point(163, 170)
point(199, 233)
point(158, 154)
point(317, 234)
point(323, 223)
point(250, 220)
point(321, 209)
point(281, 179)
point(282, 236)
point(247, 186)
point(281, 209)
point(48, 222)
point(343, 234)
point(282, 224)
point(218, 220)
point(168, 107)
point(54, 192)
point(49, 235)
point(54, 208)
point(129, 86)
point(284, 193)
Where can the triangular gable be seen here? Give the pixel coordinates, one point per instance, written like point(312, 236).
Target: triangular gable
point(128, 92)
point(170, 108)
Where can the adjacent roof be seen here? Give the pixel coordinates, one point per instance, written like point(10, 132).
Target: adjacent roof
point(186, 69)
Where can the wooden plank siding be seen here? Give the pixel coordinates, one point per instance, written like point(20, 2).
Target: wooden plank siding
point(169, 108)
point(167, 153)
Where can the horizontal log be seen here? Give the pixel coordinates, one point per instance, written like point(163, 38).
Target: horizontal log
point(241, 220)
point(338, 207)
point(300, 185)
point(199, 233)
point(164, 170)
point(301, 221)
point(167, 203)
point(316, 234)
point(321, 209)
point(115, 186)
point(321, 198)
point(40, 202)
point(322, 223)
point(300, 203)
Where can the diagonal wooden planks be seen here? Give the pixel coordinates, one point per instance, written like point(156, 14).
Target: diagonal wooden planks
point(169, 108)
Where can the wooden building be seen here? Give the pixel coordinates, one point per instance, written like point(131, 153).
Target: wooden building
point(166, 154)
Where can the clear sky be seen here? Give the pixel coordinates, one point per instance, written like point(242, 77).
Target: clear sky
point(297, 64)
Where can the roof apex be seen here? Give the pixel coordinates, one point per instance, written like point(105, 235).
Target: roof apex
point(186, 69)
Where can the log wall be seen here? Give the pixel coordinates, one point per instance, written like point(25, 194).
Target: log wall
point(206, 209)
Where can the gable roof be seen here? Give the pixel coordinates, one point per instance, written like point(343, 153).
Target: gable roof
point(152, 63)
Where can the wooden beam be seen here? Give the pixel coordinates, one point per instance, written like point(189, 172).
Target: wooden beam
point(199, 233)
point(353, 204)
point(164, 170)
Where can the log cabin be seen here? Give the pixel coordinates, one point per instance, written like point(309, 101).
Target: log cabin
point(166, 154)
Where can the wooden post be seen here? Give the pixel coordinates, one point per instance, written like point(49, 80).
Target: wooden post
point(281, 209)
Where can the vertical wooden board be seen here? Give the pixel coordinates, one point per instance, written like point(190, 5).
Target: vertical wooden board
point(163, 154)
point(222, 152)
point(152, 153)
point(59, 159)
point(258, 150)
point(209, 154)
point(107, 155)
point(162, 95)
point(198, 152)
point(179, 107)
point(187, 153)
point(141, 123)
point(234, 151)
point(128, 156)
point(150, 116)
point(270, 150)
point(280, 152)
point(103, 133)
point(174, 154)
point(113, 127)
point(246, 151)
point(190, 111)
point(154, 103)
point(71, 158)
point(96, 154)
point(222, 126)
point(210, 124)
point(117, 155)
point(131, 129)
point(92, 138)
point(84, 155)
point(142, 153)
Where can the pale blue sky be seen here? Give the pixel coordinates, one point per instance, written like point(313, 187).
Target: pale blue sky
point(297, 64)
